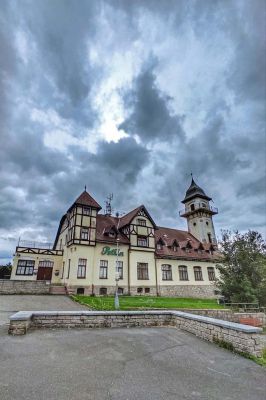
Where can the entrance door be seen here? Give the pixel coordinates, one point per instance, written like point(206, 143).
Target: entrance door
point(44, 274)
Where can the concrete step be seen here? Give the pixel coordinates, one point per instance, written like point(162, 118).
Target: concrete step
point(58, 290)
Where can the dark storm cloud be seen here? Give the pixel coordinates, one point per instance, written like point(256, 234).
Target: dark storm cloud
point(150, 118)
point(126, 158)
point(56, 56)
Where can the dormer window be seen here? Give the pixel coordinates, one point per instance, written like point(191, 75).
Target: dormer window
point(175, 246)
point(141, 222)
point(159, 246)
point(112, 234)
point(87, 211)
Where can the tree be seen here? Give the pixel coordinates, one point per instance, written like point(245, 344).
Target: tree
point(5, 271)
point(242, 269)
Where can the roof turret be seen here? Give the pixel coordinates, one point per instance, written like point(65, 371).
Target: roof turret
point(195, 191)
point(85, 199)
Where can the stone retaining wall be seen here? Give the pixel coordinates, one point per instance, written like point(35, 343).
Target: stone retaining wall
point(241, 337)
point(246, 318)
point(195, 291)
point(23, 287)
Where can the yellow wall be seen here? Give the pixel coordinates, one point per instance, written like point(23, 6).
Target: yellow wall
point(57, 260)
point(175, 273)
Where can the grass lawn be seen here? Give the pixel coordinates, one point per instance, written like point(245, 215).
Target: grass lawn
point(145, 302)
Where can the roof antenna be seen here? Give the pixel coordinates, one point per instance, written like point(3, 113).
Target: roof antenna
point(108, 205)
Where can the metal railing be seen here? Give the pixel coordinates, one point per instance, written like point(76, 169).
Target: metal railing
point(198, 207)
point(34, 244)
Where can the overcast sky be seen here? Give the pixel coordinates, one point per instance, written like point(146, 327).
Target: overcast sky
point(129, 97)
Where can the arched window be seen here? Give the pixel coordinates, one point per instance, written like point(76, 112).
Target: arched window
point(166, 272)
point(183, 275)
point(211, 273)
point(198, 274)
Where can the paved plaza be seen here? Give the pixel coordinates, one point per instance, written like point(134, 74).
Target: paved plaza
point(120, 364)
point(10, 304)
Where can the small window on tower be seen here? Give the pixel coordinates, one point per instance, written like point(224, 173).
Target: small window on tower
point(210, 238)
point(192, 207)
point(194, 224)
point(87, 211)
point(207, 223)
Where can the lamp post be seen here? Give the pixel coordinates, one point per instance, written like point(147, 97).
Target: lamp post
point(118, 215)
point(116, 276)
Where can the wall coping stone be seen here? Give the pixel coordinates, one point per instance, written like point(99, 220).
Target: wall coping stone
point(28, 315)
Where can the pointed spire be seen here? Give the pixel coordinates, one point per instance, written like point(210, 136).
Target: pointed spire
point(85, 199)
point(195, 191)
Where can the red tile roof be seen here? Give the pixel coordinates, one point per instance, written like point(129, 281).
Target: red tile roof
point(104, 224)
point(126, 219)
point(184, 240)
point(85, 199)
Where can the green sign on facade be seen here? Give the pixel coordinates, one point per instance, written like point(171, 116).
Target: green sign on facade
point(107, 251)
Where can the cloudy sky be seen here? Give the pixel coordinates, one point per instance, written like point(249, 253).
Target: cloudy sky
point(129, 97)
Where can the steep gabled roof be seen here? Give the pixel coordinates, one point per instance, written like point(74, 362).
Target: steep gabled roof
point(195, 191)
point(85, 199)
point(104, 224)
point(126, 219)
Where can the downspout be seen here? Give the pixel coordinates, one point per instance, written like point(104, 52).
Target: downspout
point(156, 278)
point(128, 269)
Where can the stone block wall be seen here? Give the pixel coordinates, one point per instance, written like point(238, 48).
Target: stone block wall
point(23, 287)
point(242, 338)
point(195, 291)
point(246, 318)
point(240, 341)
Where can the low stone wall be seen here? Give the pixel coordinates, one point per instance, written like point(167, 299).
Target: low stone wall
point(23, 287)
point(195, 291)
point(246, 318)
point(242, 338)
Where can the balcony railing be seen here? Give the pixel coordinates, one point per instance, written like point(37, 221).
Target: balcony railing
point(187, 211)
point(35, 245)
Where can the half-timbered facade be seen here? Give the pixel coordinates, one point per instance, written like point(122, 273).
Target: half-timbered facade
point(89, 245)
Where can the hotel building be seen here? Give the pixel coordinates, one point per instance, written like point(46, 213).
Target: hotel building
point(150, 259)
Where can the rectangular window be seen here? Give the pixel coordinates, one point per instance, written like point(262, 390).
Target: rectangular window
point(103, 269)
point(142, 241)
point(198, 274)
point(211, 273)
point(87, 211)
point(68, 270)
point(25, 267)
point(166, 272)
point(82, 268)
point(141, 222)
point(143, 273)
point(46, 263)
point(84, 233)
point(120, 269)
point(183, 275)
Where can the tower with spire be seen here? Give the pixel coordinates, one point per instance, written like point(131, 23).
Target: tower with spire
point(198, 213)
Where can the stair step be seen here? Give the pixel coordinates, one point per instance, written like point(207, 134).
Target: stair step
point(57, 290)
